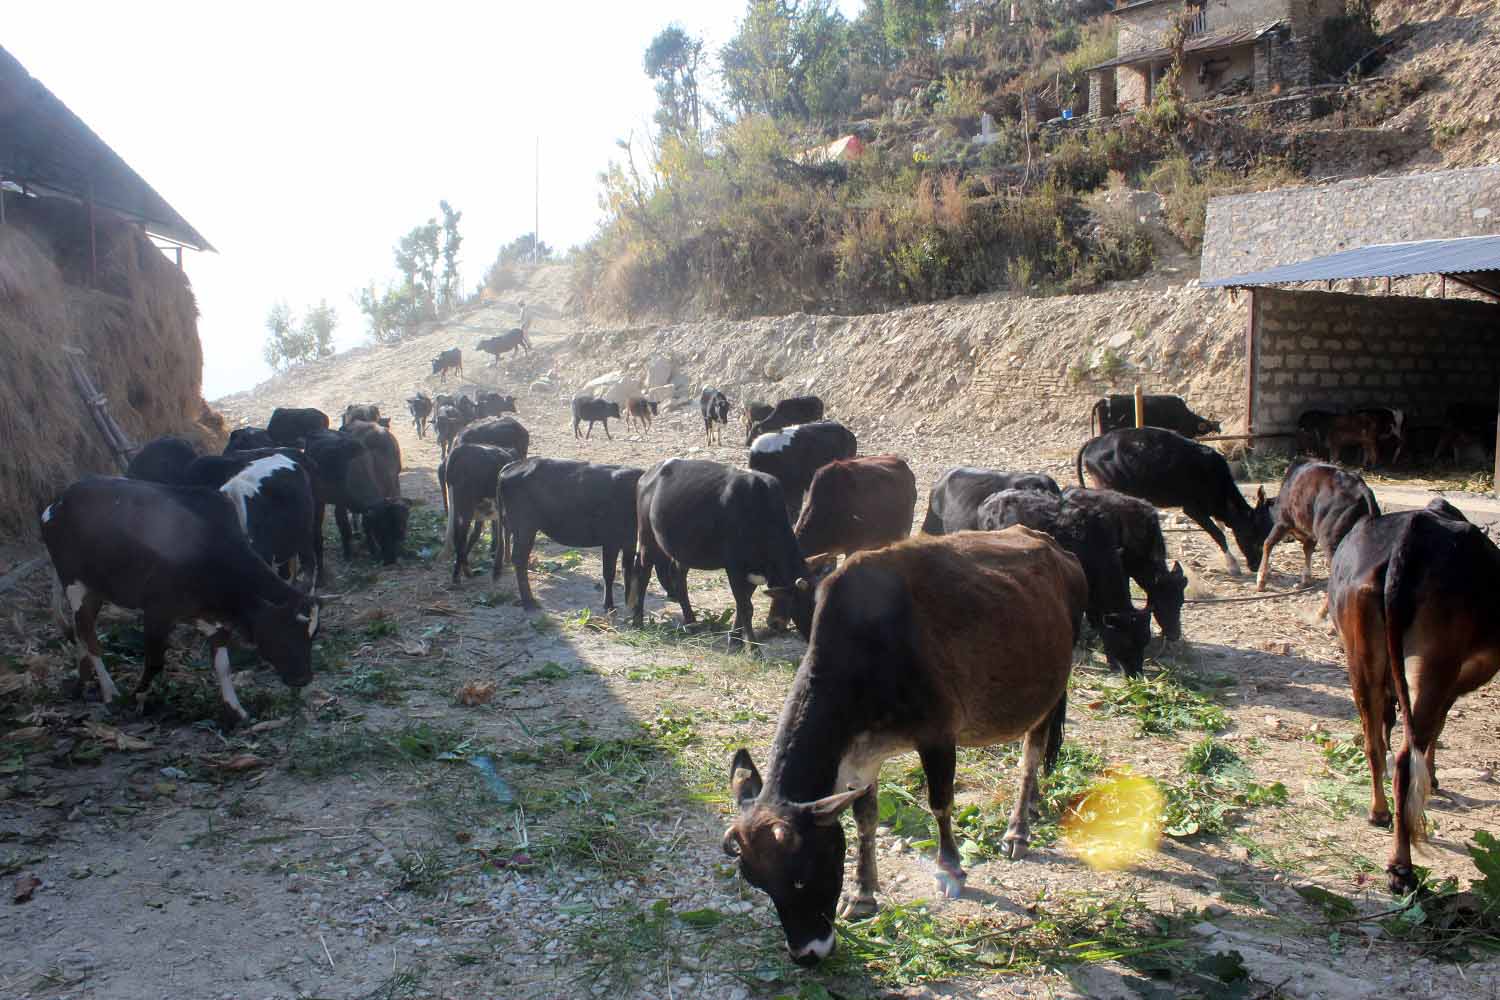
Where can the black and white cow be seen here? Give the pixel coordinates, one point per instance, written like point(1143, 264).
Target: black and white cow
point(273, 497)
point(795, 454)
point(175, 553)
point(714, 407)
point(787, 412)
point(953, 504)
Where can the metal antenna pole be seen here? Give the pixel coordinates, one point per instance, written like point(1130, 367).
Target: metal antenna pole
point(536, 191)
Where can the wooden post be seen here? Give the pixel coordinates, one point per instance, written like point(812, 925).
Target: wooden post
point(1443, 286)
point(1140, 406)
point(179, 256)
point(1252, 330)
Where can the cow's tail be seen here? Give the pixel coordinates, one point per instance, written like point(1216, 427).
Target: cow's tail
point(1078, 464)
point(449, 543)
point(1055, 721)
point(1096, 417)
point(502, 535)
point(1397, 611)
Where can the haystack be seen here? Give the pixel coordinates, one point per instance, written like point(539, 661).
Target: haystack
point(137, 326)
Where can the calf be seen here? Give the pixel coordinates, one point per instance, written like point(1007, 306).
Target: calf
point(450, 360)
point(953, 504)
point(272, 493)
point(755, 412)
point(367, 412)
point(1143, 552)
point(502, 343)
point(594, 411)
point(502, 432)
point(577, 504)
point(1312, 432)
point(447, 423)
point(345, 475)
point(1328, 434)
point(852, 505)
point(795, 454)
point(640, 410)
point(1118, 411)
point(714, 406)
point(1466, 423)
point(249, 439)
point(1168, 470)
point(693, 514)
point(1415, 607)
point(928, 645)
point(492, 404)
point(471, 477)
point(1096, 542)
point(1318, 505)
point(420, 406)
point(290, 426)
point(173, 553)
point(385, 523)
point(162, 460)
point(796, 410)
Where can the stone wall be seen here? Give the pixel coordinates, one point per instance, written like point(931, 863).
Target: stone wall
point(1251, 232)
point(1335, 351)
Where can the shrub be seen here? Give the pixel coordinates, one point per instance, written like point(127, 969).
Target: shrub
point(1078, 165)
point(1345, 46)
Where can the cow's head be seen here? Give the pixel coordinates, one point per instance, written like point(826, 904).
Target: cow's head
point(612, 409)
point(1251, 536)
point(1125, 635)
point(1167, 594)
point(1206, 426)
point(795, 604)
point(283, 634)
point(794, 852)
point(385, 527)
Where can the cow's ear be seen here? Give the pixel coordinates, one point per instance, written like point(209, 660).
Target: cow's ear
point(825, 811)
point(1260, 496)
point(744, 779)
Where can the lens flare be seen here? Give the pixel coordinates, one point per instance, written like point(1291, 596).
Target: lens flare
point(1115, 823)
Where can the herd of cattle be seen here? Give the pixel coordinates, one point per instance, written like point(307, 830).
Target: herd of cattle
point(961, 636)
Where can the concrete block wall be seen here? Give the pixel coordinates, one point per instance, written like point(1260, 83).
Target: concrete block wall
point(1252, 232)
point(1335, 351)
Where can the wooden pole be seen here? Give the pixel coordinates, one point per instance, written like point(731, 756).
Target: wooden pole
point(1252, 330)
point(1140, 406)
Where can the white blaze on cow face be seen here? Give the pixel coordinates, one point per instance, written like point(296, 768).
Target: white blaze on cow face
point(817, 948)
point(47, 514)
point(226, 686)
point(756, 579)
point(248, 483)
point(76, 593)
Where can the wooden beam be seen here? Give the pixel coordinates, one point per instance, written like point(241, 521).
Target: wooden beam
point(1252, 332)
point(1140, 406)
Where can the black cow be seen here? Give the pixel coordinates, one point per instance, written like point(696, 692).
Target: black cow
point(714, 407)
point(1096, 542)
point(162, 460)
point(1318, 505)
point(345, 475)
point(1169, 470)
point(385, 523)
point(492, 404)
point(796, 410)
point(499, 344)
point(594, 411)
point(272, 492)
point(368, 412)
point(1143, 552)
point(450, 360)
point(471, 484)
point(794, 456)
point(1115, 412)
point(174, 553)
point(927, 645)
point(693, 514)
point(290, 426)
point(249, 439)
point(420, 406)
point(467, 408)
point(953, 504)
point(577, 504)
point(502, 432)
point(447, 422)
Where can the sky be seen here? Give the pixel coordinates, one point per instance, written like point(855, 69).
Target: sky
point(303, 139)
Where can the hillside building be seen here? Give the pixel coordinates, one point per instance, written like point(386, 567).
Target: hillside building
point(1249, 45)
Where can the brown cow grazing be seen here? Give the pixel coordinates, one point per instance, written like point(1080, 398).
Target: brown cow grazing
point(1318, 505)
point(928, 645)
point(1414, 603)
point(472, 485)
point(852, 505)
point(640, 410)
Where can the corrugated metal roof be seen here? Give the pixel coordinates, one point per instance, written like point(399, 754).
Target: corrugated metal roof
point(1197, 43)
point(49, 148)
point(1474, 260)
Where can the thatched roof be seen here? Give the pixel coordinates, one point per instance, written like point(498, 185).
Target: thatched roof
point(49, 150)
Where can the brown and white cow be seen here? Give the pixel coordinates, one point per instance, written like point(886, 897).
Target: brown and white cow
point(1414, 602)
point(927, 645)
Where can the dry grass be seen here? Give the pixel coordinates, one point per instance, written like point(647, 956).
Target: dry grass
point(138, 329)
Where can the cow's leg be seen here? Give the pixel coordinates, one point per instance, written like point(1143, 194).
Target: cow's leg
point(461, 543)
point(320, 512)
point(85, 605)
point(743, 632)
point(1308, 547)
point(1018, 831)
point(1429, 682)
point(861, 903)
point(520, 557)
point(341, 517)
point(1278, 531)
point(1206, 522)
point(220, 646)
point(157, 632)
point(611, 553)
point(1373, 700)
point(679, 575)
point(608, 436)
point(939, 763)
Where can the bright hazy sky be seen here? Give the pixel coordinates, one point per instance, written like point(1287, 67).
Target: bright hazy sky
point(302, 139)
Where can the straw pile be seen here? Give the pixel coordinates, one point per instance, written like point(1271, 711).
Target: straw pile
point(138, 330)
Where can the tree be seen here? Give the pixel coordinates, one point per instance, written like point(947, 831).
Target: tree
point(317, 327)
point(416, 258)
point(290, 344)
point(672, 61)
point(451, 242)
point(392, 314)
point(912, 27)
point(787, 59)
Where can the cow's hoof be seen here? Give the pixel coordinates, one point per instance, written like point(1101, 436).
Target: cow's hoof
point(1014, 846)
point(951, 885)
point(1402, 879)
point(1380, 819)
point(857, 907)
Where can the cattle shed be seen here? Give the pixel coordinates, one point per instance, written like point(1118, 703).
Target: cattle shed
point(1315, 348)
